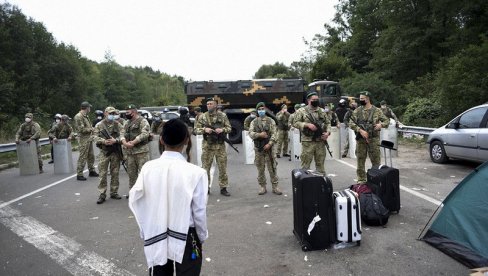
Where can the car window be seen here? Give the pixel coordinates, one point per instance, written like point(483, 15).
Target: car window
point(472, 118)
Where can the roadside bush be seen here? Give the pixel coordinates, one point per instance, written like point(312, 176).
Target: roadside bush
point(423, 112)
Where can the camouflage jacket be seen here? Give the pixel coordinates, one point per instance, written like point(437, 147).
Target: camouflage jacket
point(290, 120)
point(156, 127)
point(389, 113)
point(247, 122)
point(259, 125)
point(82, 125)
point(61, 131)
point(214, 120)
point(304, 116)
point(367, 118)
point(347, 117)
point(137, 130)
point(31, 130)
point(115, 130)
point(282, 118)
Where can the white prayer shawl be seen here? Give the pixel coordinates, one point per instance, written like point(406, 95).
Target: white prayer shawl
point(161, 201)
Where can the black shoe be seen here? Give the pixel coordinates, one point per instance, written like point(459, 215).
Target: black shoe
point(224, 192)
point(101, 199)
point(286, 155)
point(344, 155)
point(93, 173)
point(50, 162)
point(127, 196)
point(41, 170)
point(278, 156)
point(80, 177)
point(115, 196)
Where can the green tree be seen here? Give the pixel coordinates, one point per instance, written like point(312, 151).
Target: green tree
point(277, 70)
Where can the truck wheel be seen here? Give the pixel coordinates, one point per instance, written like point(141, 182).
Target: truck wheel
point(235, 136)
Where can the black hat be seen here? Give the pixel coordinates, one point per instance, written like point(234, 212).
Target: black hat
point(174, 132)
point(131, 106)
point(210, 100)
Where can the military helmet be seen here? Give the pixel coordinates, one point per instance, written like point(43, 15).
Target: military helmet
point(99, 112)
point(57, 116)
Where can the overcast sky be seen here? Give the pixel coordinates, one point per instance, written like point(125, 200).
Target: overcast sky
point(199, 40)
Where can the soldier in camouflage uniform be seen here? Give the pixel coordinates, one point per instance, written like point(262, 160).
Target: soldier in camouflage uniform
point(292, 116)
point(334, 120)
point(248, 120)
point(388, 112)
point(57, 119)
point(84, 128)
point(213, 125)
point(61, 130)
point(347, 117)
point(263, 132)
point(367, 121)
point(107, 135)
point(135, 141)
point(282, 137)
point(314, 126)
point(30, 131)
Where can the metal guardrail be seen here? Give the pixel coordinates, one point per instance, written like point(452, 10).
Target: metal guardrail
point(12, 146)
point(416, 130)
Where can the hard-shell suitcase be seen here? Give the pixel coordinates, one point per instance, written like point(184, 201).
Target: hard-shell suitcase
point(313, 210)
point(348, 216)
point(384, 181)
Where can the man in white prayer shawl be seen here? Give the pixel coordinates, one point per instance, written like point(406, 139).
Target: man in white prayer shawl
point(169, 202)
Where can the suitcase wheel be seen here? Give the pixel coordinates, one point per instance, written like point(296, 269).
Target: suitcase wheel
point(358, 243)
point(305, 247)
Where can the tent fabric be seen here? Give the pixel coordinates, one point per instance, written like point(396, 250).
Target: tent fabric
point(461, 227)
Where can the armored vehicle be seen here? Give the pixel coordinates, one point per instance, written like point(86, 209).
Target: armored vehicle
point(238, 98)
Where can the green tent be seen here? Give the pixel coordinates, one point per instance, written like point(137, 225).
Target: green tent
point(461, 227)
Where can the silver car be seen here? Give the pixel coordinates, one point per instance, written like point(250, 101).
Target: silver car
point(465, 137)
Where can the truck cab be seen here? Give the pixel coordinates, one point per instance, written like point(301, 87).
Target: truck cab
point(328, 91)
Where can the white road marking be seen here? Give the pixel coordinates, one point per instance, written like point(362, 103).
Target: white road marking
point(69, 254)
point(408, 190)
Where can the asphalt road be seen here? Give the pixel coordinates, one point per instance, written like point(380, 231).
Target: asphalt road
point(60, 230)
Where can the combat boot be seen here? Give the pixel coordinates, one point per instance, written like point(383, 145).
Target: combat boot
point(224, 192)
point(93, 173)
point(277, 191)
point(80, 177)
point(262, 191)
point(41, 170)
point(115, 196)
point(101, 199)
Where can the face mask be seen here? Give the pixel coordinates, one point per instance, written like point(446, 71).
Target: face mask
point(315, 103)
point(261, 113)
point(110, 117)
point(128, 116)
point(99, 117)
point(28, 120)
point(58, 120)
point(211, 110)
point(253, 116)
point(362, 102)
point(383, 106)
point(116, 117)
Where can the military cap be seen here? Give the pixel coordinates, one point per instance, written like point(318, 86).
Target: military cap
point(174, 132)
point(117, 111)
point(311, 94)
point(365, 93)
point(303, 105)
point(211, 99)
point(284, 106)
point(198, 109)
point(131, 106)
point(110, 109)
point(383, 102)
point(29, 115)
point(65, 117)
point(157, 114)
point(260, 104)
point(297, 106)
point(85, 104)
point(253, 110)
point(330, 105)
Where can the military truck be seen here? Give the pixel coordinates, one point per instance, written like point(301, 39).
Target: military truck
point(238, 98)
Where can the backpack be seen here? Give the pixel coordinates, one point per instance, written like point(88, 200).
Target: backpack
point(360, 189)
point(373, 213)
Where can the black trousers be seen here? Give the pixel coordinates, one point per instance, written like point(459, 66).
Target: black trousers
point(188, 267)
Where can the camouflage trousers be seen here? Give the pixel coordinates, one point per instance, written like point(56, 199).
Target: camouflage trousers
point(209, 151)
point(282, 142)
point(362, 151)
point(135, 161)
point(103, 166)
point(313, 150)
point(346, 145)
point(86, 156)
point(266, 159)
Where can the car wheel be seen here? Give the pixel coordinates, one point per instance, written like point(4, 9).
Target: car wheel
point(437, 152)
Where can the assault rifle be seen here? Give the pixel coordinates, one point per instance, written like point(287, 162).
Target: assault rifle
point(216, 136)
point(318, 133)
point(261, 142)
point(115, 148)
point(361, 126)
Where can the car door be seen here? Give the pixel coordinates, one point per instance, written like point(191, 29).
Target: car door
point(462, 141)
point(483, 140)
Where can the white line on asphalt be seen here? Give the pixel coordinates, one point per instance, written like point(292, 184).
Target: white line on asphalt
point(69, 254)
point(408, 190)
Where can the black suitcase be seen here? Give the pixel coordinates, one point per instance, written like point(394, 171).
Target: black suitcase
point(384, 181)
point(312, 196)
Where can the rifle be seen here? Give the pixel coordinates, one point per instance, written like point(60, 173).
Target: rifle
point(222, 136)
point(115, 148)
point(318, 132)
point(361, 126)
point(261, 142)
